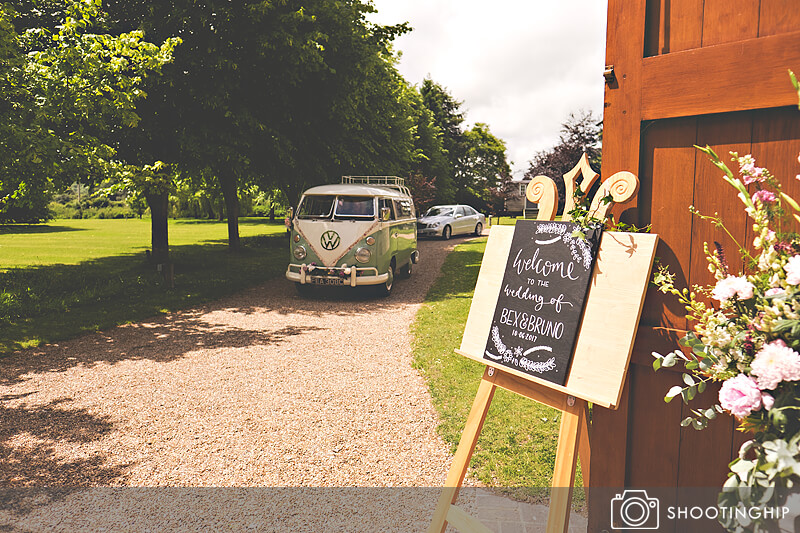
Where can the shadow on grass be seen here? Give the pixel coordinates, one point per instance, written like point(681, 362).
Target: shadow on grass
point(30, 438)
point(54, 302)
point(29, 229)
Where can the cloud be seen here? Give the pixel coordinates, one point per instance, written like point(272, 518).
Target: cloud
point(520, 67)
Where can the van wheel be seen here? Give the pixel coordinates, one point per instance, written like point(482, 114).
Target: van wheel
point(447, 232)
point(385, 289)
point(478, 229)
point(302, 289)
point(405, 271)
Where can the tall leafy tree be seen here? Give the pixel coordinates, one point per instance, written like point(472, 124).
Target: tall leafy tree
point(482, 167)
point(281, 94)
point(66, 87)
point(580, 133)
point(476, 158)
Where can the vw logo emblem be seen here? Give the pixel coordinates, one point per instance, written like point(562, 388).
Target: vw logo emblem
point(330, 240)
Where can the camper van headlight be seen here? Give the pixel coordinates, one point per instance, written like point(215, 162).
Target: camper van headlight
point(299, 253)
point(363, 255)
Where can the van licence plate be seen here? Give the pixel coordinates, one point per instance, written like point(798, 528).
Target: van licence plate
point(316, 280)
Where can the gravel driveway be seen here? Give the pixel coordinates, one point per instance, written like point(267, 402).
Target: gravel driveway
point(264, 388)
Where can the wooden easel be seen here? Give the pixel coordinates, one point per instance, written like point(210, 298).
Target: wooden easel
point(573, 422)
point(600, 362)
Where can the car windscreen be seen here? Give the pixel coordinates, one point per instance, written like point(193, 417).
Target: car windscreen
point(439, 212)
point(359, 207)
point(316, 207)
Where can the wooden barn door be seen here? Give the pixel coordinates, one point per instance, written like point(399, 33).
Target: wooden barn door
point(687, 72)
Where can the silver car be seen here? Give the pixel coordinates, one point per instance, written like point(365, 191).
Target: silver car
point(447, 220)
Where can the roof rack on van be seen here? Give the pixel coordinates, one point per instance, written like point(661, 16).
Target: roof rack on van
point(392, 182)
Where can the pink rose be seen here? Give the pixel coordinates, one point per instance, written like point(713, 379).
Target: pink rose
point(740, 395)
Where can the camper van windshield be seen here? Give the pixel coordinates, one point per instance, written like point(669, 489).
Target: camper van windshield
point(355, 207)
point(316, 207)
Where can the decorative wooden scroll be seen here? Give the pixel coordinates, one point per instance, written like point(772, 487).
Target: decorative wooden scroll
point(602, 350)
point(623, 186)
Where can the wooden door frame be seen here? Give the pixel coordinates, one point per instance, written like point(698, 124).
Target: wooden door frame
point(743, 75)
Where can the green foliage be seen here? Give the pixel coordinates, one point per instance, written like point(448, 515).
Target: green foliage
point(476, 158)
point(274, 94)
point(65, 90)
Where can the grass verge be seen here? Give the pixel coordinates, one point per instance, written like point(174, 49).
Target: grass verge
point(517, 447)
point(43, 303)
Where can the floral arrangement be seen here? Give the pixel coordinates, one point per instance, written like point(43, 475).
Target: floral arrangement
point(746, 335)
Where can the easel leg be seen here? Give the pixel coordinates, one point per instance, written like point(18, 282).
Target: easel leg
point(564, 473)
point(584, 446)
point(469, 438)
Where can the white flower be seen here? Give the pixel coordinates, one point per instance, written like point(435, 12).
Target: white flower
point(732, 286)
point(792, 269)
point(774, 363)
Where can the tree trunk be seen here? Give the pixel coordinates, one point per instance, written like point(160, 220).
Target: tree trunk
point(159, 205)
point(293, 192)
point(230, 193)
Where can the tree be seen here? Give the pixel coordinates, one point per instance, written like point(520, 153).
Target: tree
point(65, 90)
point(448, 119)
point(476, 158)
point(271, 93)
point(481, 168)
point(423, 190)
point(581, 133)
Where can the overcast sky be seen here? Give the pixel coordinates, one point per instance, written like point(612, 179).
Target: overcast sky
point(519, 66)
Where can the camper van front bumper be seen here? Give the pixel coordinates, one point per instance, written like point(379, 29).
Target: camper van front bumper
point(352, 276)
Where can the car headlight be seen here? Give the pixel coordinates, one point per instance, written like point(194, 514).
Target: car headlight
point(363, 255)
point(299, 253)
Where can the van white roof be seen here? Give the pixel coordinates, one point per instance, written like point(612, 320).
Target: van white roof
point(351, 189)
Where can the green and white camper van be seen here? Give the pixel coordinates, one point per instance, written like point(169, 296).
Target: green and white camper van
point(360, 232)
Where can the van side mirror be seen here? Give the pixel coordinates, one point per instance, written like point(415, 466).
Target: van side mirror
point(385, 213)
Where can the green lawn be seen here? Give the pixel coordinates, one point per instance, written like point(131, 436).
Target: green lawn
point(68, 277)
point(517, 447)
point(74, 241)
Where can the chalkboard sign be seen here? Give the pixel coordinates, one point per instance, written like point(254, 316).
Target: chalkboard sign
point(541, 299)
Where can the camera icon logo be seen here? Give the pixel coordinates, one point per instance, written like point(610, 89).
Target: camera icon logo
point(634, 509)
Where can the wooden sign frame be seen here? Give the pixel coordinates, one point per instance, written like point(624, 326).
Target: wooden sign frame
point(597, 374)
